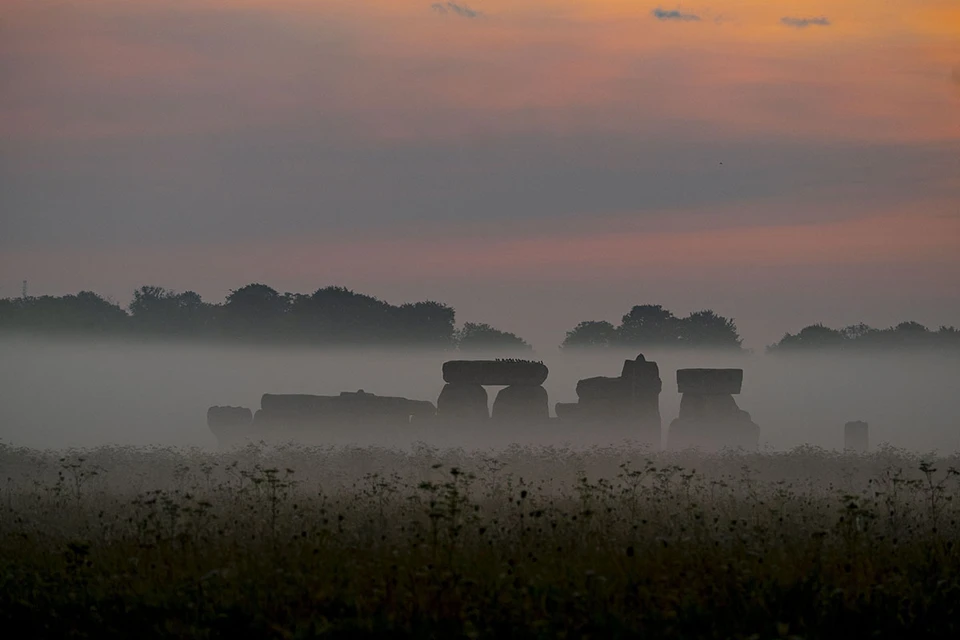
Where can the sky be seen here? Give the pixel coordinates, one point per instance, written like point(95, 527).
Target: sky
point(533, 164)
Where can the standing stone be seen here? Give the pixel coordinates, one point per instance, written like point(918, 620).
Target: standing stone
point(645, 385)
point(603, 402)
point(229, 424)
point(856, 436)
point(710, 381)
point(358, 408)
point(709, 416)
point(229, 417)
point(603, 389)
point(294, 403)
point(521, 403)
point(708, 407)
point(644, 375)
point(463, 402)
point(568, 411)
point(630, 401)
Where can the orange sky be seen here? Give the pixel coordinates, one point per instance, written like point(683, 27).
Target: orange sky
point(879, 71)
point(386, 140)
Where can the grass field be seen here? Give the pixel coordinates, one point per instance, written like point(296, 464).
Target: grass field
point(297, 542)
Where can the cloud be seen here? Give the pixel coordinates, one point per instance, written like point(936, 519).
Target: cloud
point(802, 23)
point(461, 10)
point(663, 14)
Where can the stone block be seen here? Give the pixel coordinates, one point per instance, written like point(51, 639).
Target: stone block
point(229, 417)
point(568, 410)
point(495, 372)
point(521, 403)
point(856, 436)
point(601, 388)
point(710, 381)
point(463, 401)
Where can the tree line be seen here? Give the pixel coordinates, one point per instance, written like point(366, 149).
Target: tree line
point(339, 316)
point(652, 326)
point(257, 313)
point(909, 334)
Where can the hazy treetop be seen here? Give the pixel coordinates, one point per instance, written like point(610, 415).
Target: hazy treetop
point(335, 315)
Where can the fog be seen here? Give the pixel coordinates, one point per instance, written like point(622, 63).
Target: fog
point(58, 393)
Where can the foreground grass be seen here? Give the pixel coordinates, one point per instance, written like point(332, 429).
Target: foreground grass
point(297, 543)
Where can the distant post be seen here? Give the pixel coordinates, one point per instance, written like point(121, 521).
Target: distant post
point(855, 437)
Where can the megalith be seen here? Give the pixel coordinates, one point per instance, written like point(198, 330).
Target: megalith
point(709, 416)
point(645, 386)
point(495, 372)
point(463, 402)
point(362, 408)
point(568, 411)
point(229, 417)
point(523, 398)
point(856, 436)
point(350, 408)
point(229, 424)
point(524, 403)
point(631, 400)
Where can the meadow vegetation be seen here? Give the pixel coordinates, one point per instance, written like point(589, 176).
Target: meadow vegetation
point(301, 542)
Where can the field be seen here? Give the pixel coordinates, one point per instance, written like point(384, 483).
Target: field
point(296, 542)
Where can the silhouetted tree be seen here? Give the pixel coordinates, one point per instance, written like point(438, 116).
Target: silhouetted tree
point(649, 325)
point(158, 310)
point(148, 302)
point(84, 312)
point(815, 336)
point(706, 329)
point(590, 334)
point(339, 315)
point(911, 333)
point(480, 336)
point(256, 301)
point(330, 315)
point(255, 309)
point(906, 335)
point(858, 331)
point(426, 323)
point(948, 336)
point(8, 313)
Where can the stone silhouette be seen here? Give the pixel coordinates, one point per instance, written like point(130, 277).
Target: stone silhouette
point(522, 400)
point(523, 403)
point(568, 411)
point(645, 387)
point(355, 405)
point(229, 424)
point(632, 400)
point(709, 416)
point(288, 414)
point(463, 402)
point(856, 437)
point(495, 372)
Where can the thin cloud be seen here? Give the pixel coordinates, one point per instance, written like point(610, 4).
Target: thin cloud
point(461, 10)
point(663, 14)
point(803, 23)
